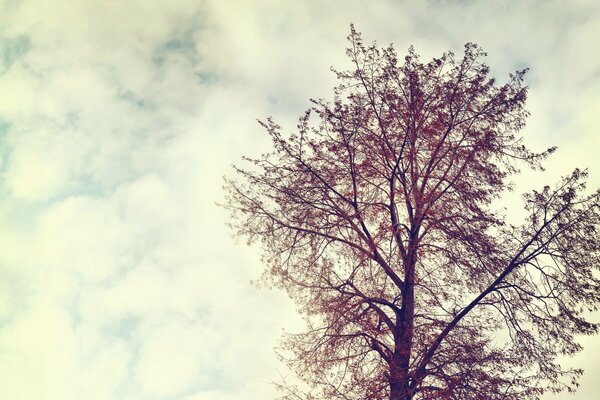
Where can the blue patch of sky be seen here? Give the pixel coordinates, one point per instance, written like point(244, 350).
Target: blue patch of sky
point(282, 105)
point(184, 43)
point(137, 101)
point(207, 78)
point(125, 328)
point(11, 49)
point(4, 128)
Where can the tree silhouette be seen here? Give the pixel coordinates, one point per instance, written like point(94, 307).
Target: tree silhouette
point(377, 218)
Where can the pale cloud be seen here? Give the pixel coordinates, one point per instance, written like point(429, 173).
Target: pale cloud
point(118, 278)
point(171, 360)
point(33, 174)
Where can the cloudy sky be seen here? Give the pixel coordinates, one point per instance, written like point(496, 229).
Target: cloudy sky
point(118, 119)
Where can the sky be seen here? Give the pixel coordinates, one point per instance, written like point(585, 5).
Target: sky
point(119, 279)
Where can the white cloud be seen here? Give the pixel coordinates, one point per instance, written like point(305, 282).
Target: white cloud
point(171, 358)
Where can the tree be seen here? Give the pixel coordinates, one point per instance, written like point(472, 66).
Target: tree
point(378, 218)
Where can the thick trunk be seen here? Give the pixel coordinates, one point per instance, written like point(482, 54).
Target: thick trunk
point(399, 393)
point(399, 368)
point(398, 383)
point(395, 391)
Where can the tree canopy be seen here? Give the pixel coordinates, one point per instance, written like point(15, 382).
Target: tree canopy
point(377, 216)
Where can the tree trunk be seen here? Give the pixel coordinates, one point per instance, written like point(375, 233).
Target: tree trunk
point(399, 388)
point(399, 370)
point(398, 383)
point(395, 390)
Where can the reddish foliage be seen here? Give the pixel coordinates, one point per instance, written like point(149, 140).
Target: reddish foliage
point(376, 218)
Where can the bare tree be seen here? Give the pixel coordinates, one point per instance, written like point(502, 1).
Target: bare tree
point(377, 217)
